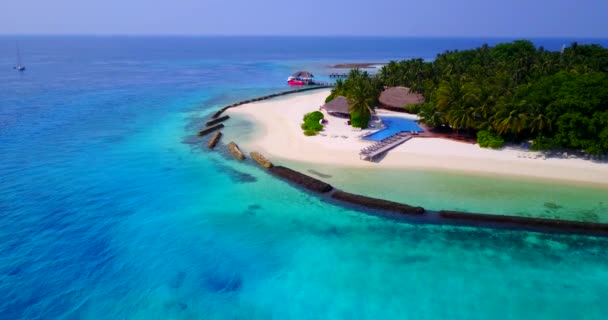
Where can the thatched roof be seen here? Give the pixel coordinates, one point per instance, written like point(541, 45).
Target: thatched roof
point(302, 74)
point(399, 97)
point(337, 105)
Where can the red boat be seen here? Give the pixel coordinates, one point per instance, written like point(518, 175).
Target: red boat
point(296, 82)
point(300, 78)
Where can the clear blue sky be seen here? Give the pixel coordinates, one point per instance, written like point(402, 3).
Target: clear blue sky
point(505, 18)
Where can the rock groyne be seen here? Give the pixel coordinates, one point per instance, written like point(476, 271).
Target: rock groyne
point(261, 160)
point(236, 152)
point(217, 120)
point(208, 130)
point(270, 96)
point(301, 179)
point(374, 203)
point(525, 222)
point(214, 140)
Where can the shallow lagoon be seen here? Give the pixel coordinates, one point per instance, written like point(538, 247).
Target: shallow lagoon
point(107, 214)
point(447, 190)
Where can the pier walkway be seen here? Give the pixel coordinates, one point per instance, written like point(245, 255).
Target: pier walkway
point(371, 152)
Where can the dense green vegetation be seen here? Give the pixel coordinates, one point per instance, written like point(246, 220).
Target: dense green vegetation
point(513, 92)
point(362, 91)
point(311, 125)
point(487, 139)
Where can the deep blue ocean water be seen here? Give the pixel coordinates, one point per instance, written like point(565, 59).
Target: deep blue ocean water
point(107, 213)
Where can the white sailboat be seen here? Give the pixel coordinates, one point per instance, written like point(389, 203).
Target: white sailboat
point(19, 66)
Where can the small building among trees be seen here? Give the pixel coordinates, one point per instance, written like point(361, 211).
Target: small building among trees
point(338, 107)
point(398, 98)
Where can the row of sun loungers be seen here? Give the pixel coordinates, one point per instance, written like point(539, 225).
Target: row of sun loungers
point(384, 143)
point(531, 155)
point(333, 136)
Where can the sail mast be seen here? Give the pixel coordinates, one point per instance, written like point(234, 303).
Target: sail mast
point(19, 66)
point(18, 55)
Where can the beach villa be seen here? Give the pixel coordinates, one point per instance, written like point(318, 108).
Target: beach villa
point(397, 98)
point(392, 98)
point(337, 107)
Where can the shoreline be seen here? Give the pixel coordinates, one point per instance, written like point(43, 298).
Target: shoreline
point(278, 134)
point(417, 214)
point(385, 206)
point(307, 166)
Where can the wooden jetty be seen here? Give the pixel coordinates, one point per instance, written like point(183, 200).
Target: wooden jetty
point(338, 75)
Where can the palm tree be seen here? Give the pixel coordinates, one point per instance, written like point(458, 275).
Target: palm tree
point(514, 122)
point(339, 85)
point(338, 90)
point(449, 93)
point(431, 116)
point(481, 98)
point(485, 58)
point(461, 117)
point(389, 74)
point(539, 122)
point(361, 97)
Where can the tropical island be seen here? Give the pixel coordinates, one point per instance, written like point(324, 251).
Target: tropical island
point(511, 92)
point(545, 113)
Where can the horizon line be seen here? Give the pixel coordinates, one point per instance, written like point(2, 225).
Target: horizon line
point(201, 35)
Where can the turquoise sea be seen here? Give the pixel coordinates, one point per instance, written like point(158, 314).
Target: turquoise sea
point(110, 210)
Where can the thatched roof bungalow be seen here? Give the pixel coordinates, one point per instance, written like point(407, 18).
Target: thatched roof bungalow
point(303, 74)
point(397, 98)
point(300, 78)
point(337, 107)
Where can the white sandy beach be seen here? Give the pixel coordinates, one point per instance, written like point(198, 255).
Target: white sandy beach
point(279, 136)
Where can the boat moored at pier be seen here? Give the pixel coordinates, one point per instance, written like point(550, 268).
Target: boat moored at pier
point(300, 78)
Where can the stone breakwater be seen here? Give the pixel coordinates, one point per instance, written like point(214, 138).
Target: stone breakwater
point(270, 96)
point(217, 120)
point(375, 203)
point(208, 130)
point(516, 221)
point(236, 151)
point(420, 215)
point(301, 179)
point(214, 140)
point(261, 160)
